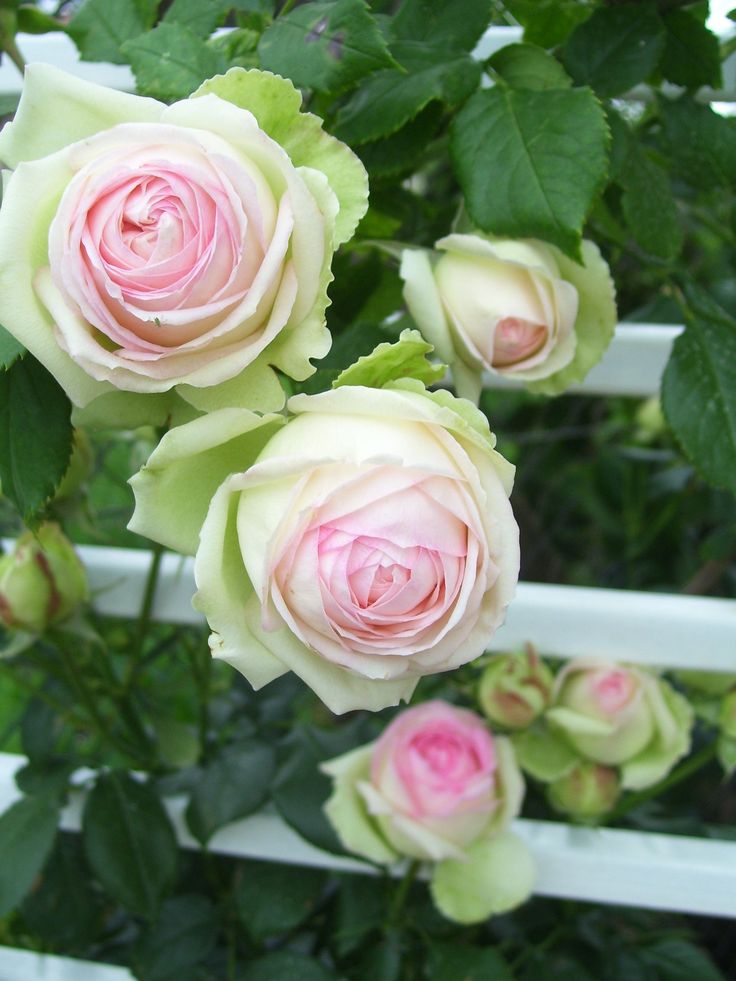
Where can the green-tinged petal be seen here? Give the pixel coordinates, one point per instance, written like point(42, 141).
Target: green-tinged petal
point(467, 383)
point(670, 744)
point(497, 877)
point(346, 809)
point(257, 388)
point(224, 590)
point(510, 788)
point(129, 410)
point(25, 217)
point(424, 303)
point(174, 489)
point(595, 322)
point(405, 358)
point(340, 689)
point(543, 754)
point(408, 399)
point(575, 723)
point(57, 109)
point(276, 105)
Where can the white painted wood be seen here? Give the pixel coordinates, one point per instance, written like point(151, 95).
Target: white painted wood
point(667, 630)
point(25, 965)
point(603, 865)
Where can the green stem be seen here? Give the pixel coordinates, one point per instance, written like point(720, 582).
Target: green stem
point(402, 891)
point(288, 5)
point(686, 769)
point(11, 50)
point(144, 619)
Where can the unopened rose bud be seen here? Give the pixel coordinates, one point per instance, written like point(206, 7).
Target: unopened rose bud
point(515, 689)
point(41, 582)
point(587, 791)
point(727, 716)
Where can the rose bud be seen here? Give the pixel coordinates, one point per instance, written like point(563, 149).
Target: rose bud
point(515, 689)
point(587, 791)
point(621, 716)
point(41, 582)
point(433, 783)
point(514, 308)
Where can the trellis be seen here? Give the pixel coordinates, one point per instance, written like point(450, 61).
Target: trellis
point(658, 871)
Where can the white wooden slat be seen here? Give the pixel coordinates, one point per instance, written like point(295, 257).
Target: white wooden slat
point(26, 965)
point(605, 865)
point(667, 630)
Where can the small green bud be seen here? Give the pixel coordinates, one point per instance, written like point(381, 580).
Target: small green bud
point(41, 582)
point(587, 791)
point(515, 689)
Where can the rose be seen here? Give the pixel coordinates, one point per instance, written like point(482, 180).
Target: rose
point(436, 781)
point(437, 786)
point(516, 308)
point(370, 543)
point(41, 582)
point(621, 716)
point(515, 689)
point(171, 249)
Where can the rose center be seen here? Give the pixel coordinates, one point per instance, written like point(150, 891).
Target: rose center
point(516, 340)
point(613, 690)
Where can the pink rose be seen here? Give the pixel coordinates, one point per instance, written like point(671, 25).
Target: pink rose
point(435, 782)
point(150, 248)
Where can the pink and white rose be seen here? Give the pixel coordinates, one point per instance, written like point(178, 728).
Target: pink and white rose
point(369, 543)
point(177, 249)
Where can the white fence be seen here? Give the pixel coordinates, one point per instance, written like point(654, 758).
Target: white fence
point(664, 872)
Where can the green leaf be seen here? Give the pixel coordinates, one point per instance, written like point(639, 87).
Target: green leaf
point(526, 66)
point(452, 961)
point(726, 752)
point(129, 842)
point(390, 98)
point(326, 46)
point(699, 390)
point(171, 61)
point(47, 778)
point(674, 959)
point(616, 48)
point(381, 961)
point(182, 936)
point(405, 358)
point(458, 25)
point(63, 908)
point(199, 17)
point(649, 205)
point(400, 152)
point(8, 103)
point(548, 22)
point(99, 28)
point(27, 833)
point(701, 143)
point(531, 163)
point(691, 54)
point(231, 786)
point(31, 20)
point(10, 348)
point(35, 435)
point(361, 907)
point(270, 898)
point(284, 965)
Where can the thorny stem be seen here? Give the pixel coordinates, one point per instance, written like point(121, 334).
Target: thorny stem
point(144, 619)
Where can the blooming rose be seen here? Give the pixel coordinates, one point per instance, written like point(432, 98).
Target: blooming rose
point(436, 785)
point(515, 308)
point(171, 249)
point(370, 543)
point(587, 791)
point(41, 582)
point(515, 689)
point(623, 717)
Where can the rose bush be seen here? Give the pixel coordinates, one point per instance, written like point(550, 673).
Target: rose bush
point(365, 543)
point(621, 716)
point(515, 308)
point(172, 251)
point(436, 786)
